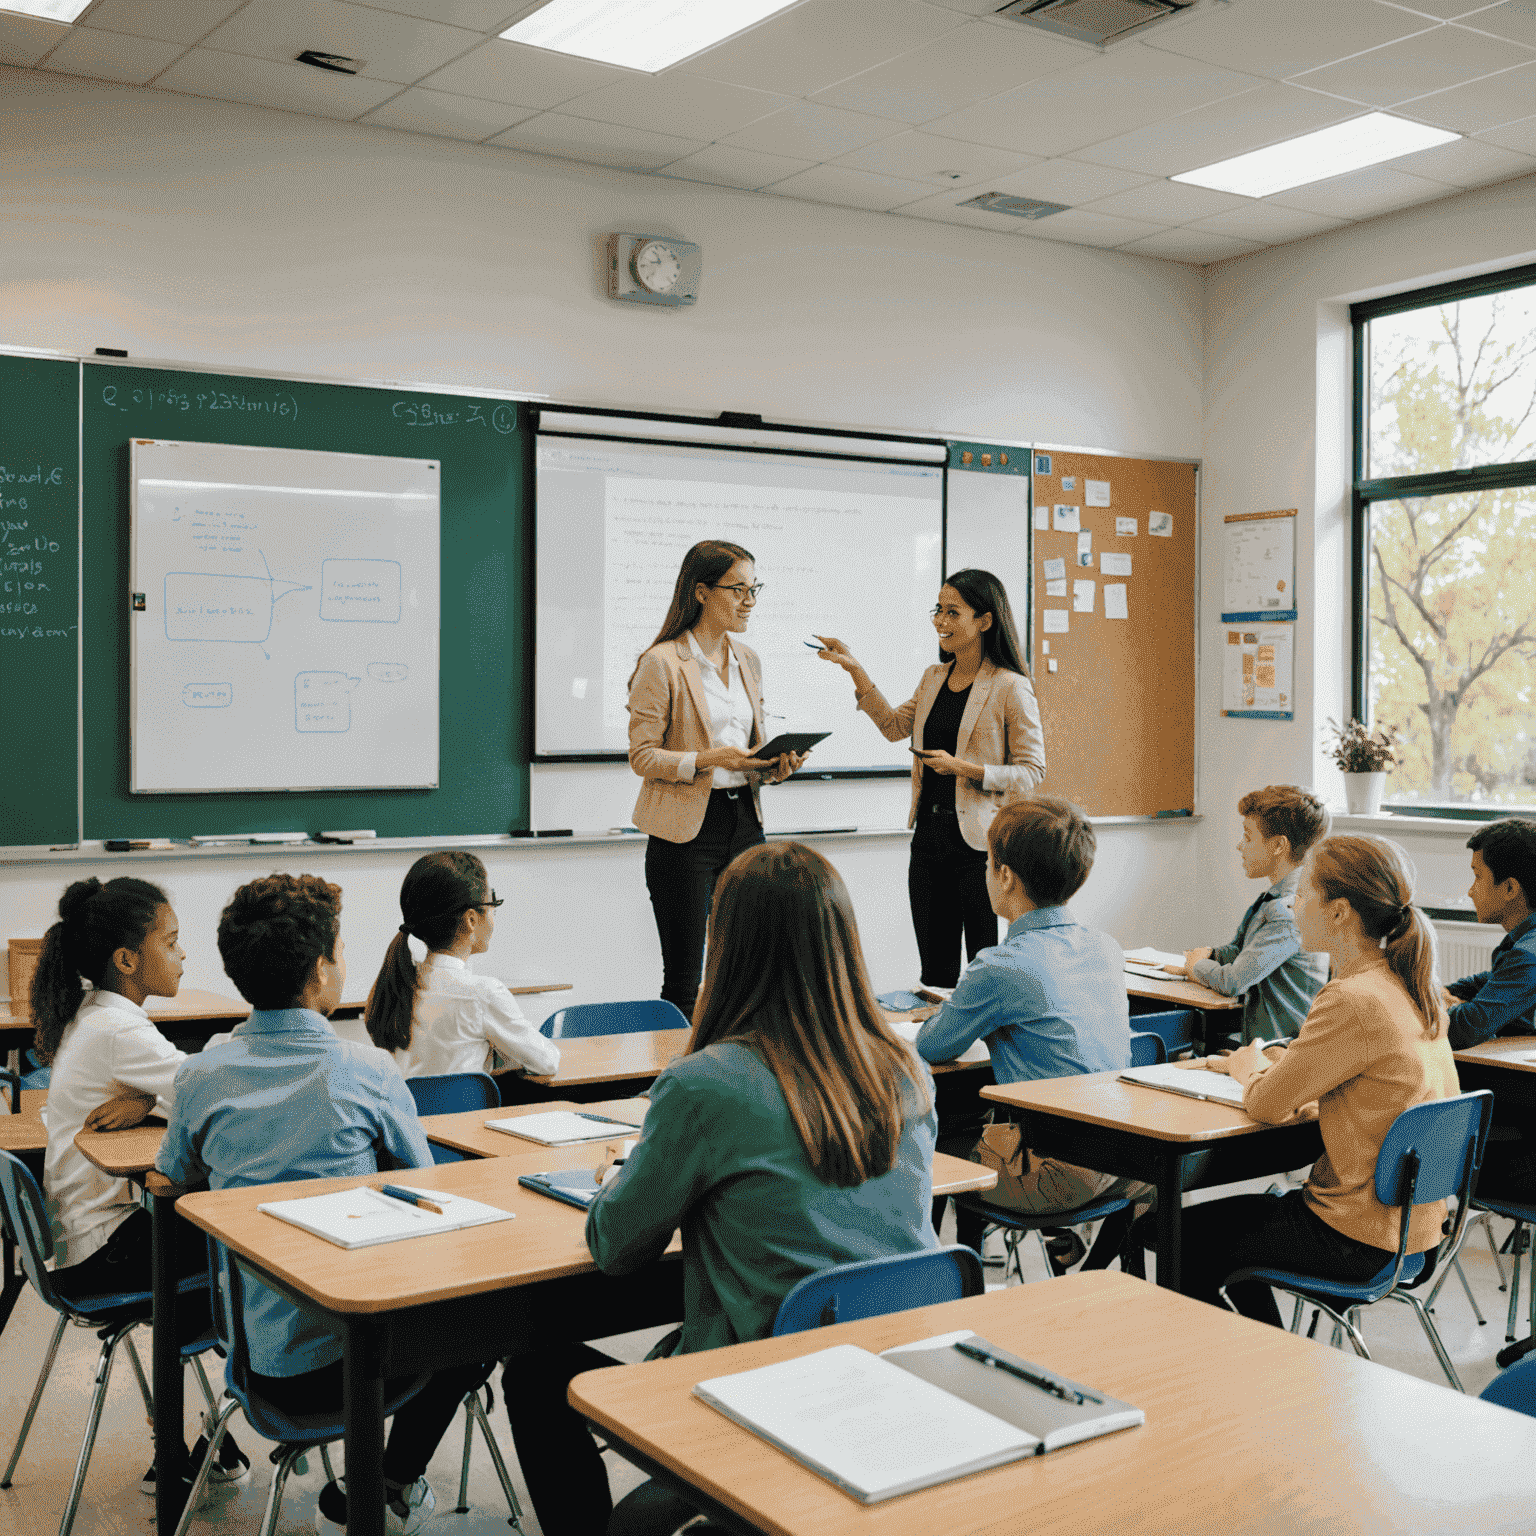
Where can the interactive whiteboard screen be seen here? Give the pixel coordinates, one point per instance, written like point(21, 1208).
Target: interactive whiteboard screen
point(284, 620)
point(844, 548)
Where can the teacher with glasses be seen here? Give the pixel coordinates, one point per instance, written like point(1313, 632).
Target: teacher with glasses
point(975, 730)
point(695, 713)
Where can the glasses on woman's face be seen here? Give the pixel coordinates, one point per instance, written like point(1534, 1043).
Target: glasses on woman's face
point(495, 901)
point(739, 590)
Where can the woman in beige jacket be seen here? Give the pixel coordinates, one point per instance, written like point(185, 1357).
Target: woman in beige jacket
point(975, 730)
point(695, 713)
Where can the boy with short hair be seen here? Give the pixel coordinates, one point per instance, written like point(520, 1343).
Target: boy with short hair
point(1502, 999)
point(1264, 963)
point(283, 1097)
point(1050, 1001)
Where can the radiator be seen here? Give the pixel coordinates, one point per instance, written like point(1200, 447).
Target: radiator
point(1464, 948)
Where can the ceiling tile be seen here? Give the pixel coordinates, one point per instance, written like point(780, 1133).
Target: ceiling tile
point(959, 68)
point(806, 131)
point(935, 162)
point(578, 138)
point(1488, 103)
point(1078, 226)
point(1519, 136)
point(265, 83)
point(1467, 163)
point(1068, 181)
point(398, 48)
point(1167, 202)
point(1268, 223)
point(1428, 61)
point(503, 71)
point(1362, 194)
point(686, 105)
point(723, 165)
point(1108, 95)
point(966, 7)
point(172, 21)
point(1229, 127)
point(948, 208)
point(112, 56)
point(1440, 10)
point(1284, 37)
point(1514, 19)
point(451, 117)
point(477, 15)
point(848, 188)
point(1194, 246)
point(821, 42)
point(25, 39)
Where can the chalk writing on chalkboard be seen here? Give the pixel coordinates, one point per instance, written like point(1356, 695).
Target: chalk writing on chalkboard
point(501, 418)
point(37, 520)
point(124, 398)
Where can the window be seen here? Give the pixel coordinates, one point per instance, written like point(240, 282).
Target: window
point(1445, 541)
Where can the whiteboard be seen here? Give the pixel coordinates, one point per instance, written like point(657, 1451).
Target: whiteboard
point(284, 623)
point(845, 548)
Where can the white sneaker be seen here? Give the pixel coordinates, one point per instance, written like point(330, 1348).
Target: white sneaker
point(406, 1510)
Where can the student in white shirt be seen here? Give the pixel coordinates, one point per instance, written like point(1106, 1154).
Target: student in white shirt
point(439, 1016)
point(110, 1068)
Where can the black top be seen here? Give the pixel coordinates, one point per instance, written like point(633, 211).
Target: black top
point(941, 730)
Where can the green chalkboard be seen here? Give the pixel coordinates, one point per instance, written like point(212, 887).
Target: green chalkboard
point(39, 599)
point(484, 451)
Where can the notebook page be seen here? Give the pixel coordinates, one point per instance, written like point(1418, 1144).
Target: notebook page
point(559, 1127)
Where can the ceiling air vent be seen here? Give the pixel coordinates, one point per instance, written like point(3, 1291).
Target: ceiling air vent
point(1093, 21)
point(1019, 207)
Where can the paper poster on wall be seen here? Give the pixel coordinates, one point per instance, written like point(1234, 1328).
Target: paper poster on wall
point(1114, 565)
point(1042, 519)
point(1085, 547)
point(1056, 588)
point(1114, 600)
point(1055, 620)
point(1068, 519)
point(1082, 596)
point(1160, 524)
point(1096, 493)
point(1125, 527)
point(1069, 482)
point(1256, 672)
point(1258, 567)
point(1055, 569)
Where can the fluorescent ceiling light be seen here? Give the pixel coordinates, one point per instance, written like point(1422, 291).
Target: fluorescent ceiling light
point(49, 10)
point(1316, 156)
point(638, 34)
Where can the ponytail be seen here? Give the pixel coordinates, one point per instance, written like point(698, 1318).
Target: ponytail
point(1376, 879)
point(95, 921)
point(439, 888)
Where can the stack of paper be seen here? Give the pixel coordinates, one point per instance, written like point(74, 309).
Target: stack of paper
point(361, 1217)
point(561, 1127)
point(1192, 1082)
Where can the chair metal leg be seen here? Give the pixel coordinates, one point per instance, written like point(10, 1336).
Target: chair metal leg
point(1045, 1253)
point(476, 1412)
point(1477, 1311)
point(1518, 1239)
point(469, 1442)
point(37, 1395)
point(1296, 1316)
point(92, 1424)
point(325, 1461)
point(215, 1439)
point(1433, 1335)
point(1493, 1247)
point(209, 1395)
point(138, 1371)
point(275, 1495)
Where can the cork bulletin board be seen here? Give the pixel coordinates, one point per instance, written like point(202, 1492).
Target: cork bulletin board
point(1116, 617)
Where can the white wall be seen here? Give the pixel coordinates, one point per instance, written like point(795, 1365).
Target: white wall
point(241, 238)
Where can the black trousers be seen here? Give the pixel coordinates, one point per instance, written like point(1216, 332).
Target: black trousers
point(681, 880)
point(947, 886)
point(418, 1426)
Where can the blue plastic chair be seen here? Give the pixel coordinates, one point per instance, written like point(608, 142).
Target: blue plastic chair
point(113, 1317)
point(1514, 1388)
point(12, 1089)
point(1176, 1027)
point(1148, 1050)
point(1523, 1215)
point(637, 1018)
point(872, 1287)
point(1431, 1152)
point(447, 1094)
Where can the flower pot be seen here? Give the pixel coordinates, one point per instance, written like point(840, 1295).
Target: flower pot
point(1363, 792)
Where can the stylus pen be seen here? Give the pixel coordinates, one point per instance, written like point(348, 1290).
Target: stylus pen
point(609, 1120)
point(1045, 1383)
point(411, 1197)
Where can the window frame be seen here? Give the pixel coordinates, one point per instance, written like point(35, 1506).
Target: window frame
point(1365, 491)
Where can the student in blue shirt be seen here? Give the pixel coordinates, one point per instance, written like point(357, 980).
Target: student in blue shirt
point(284, 1097)
point(1050, 1001)
point(1265, 964)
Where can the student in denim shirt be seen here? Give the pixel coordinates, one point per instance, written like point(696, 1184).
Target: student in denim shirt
point(284, 1097)
point(1264, 963)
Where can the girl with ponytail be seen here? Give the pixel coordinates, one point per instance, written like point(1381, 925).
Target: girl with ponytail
point(439, 1016)
point(1373, 1045)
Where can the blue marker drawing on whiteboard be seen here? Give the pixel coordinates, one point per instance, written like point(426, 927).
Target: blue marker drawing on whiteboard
point(322, 702)
point(207, 695)
point(388, 671)
point(360, 591)
point(237, 610)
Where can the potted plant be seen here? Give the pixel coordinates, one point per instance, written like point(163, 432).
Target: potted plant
point(1364, 757)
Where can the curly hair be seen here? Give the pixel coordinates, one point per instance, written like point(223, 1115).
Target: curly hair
point(272, 933)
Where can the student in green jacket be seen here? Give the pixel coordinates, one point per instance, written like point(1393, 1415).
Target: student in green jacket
point(796, 1133)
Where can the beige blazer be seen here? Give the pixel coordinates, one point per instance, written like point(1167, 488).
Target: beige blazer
point(1000, 728)
point(669, 718)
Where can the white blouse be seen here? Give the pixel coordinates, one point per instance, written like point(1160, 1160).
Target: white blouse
point(462, 1022)
point(730, 715)
point(109, 1046)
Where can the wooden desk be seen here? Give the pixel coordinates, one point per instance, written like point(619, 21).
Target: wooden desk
point(1179, 993)
point(124, 1154)
point(1249, 1430)
point(1100, 1121)
point(1501, 1067)
point(1513, 1053)
point(25, 1132)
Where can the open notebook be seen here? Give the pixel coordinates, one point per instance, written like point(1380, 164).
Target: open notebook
point(1192, 1082)
point(561, 1127)
point(923, 1413)
point(1149, 962)
point(361, 1217)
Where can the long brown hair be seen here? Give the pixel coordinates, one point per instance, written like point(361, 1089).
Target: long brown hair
point(982, 593)
point(707, 561)
point(439, 888)
point(95, 921)
point(1376, 879)
point(785, 977)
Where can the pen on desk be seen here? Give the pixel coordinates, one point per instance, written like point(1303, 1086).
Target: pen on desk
point(1045, 1383)
point(628, 1125)
point(411, 1197)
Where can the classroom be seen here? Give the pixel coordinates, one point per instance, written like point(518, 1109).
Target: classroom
point(212, 204)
